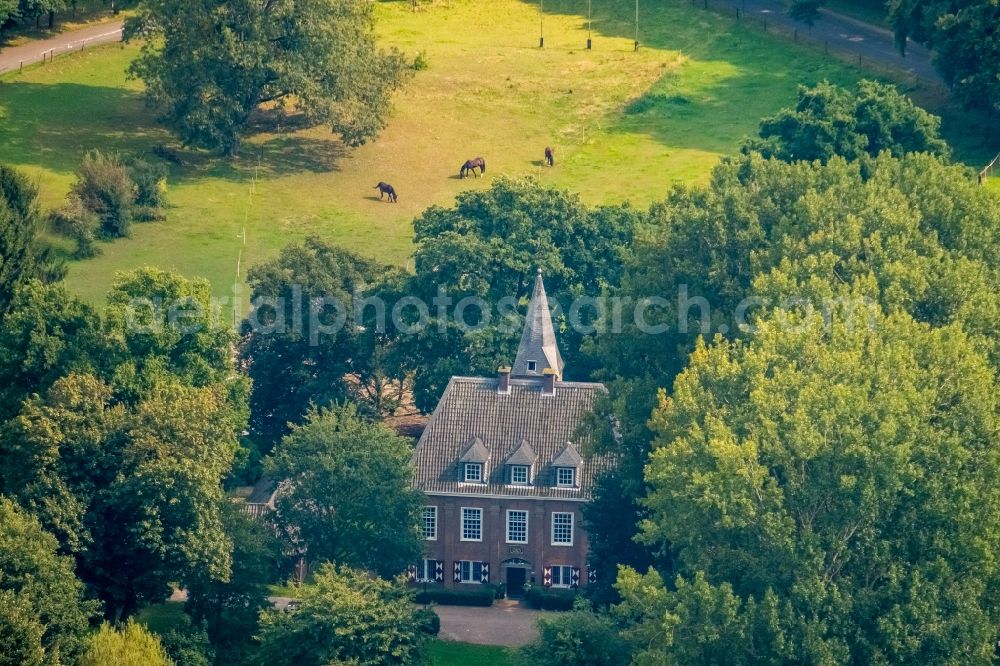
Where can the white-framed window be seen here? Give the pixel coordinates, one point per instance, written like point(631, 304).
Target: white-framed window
point(532, 366)
point(472, 524)
point(470, 572)
point(565, 477)
point(517, 526)
point(562, 529)
point(519, 474)
point(473, 472)
point(562, 575)
point(429, 526)
point(427, 570)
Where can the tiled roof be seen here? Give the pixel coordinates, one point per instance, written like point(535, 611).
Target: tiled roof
point(472, 408)
point(523, 455)
point(475, 452)
point(567, 457)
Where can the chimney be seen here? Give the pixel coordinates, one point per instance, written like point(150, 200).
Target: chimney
point(503, 379)
point(548, 382)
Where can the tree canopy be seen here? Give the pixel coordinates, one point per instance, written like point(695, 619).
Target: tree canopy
point(347, 498)
point(44, 617)
point(119, 431)
point(828, 490)
point(964, 43)
point(130, 645)
point(208, 67)
point(346, 617)
point(903, 235)
point(830, 121)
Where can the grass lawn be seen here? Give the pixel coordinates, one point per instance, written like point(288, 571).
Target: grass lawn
point(446, 653)
point(625, 125)
point(161, 618)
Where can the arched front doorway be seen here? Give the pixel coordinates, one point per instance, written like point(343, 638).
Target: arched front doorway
point(516, 573)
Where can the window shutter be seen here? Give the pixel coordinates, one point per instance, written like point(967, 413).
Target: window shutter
point(411, 573)
point(575, 577)
point(458, 571)
point(547, 576)
point(484, 577)
point(591, 575)
point(438, 571)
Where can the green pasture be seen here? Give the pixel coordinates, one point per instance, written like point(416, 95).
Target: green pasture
point(626, 125)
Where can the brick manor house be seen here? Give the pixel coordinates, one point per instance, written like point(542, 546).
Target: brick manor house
point(500, 465)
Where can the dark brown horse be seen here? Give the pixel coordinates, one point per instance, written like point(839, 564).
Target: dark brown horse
point(550, 156)
point(471, 165)
point(386, 188)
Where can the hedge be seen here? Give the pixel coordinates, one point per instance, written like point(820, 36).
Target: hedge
point(429, 621)
point(479, 595)
point(544, 598)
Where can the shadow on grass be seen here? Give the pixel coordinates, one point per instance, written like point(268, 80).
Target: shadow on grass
point(758, 68)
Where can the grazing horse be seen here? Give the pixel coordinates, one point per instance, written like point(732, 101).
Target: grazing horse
point(386, 188)
point(550, 156)
point(471, 165)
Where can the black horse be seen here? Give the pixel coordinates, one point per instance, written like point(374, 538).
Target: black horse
point(550, 156)
point(471, 165)
point(386, 188)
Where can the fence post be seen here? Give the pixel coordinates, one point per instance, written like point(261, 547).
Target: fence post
point(20, 68)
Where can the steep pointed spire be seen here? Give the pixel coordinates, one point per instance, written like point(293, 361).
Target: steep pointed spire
point(538, 350)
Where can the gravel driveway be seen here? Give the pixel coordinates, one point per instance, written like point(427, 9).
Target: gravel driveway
point(505, 623)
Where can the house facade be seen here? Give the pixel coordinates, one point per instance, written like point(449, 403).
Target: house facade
point(500, 466)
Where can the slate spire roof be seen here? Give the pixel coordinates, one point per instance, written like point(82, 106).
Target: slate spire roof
point(538, 341)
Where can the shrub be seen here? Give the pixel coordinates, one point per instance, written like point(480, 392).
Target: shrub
point(481, 595)
point(544, 598)
point(578, 638)
point(105, 188)
point(429, 621)
point(150, 180)
point(130, 645)
point(75, 221)
point(420, 62)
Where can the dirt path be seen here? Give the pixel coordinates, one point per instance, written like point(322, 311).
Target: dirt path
point(12, 57)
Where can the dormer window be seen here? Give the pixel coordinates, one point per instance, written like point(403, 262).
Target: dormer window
point(566, 477)
point(532, 366)
point(519, 474)
point(473, 473)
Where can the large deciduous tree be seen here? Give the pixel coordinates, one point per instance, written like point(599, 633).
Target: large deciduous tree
point(830, 491)
point(230, 608)
point(830, 121)
point(209, 66)
point(346, 617)
point(132, 491)
point(44, 618)
point(347, 497)
point(304, 339)
point(909, 234)
point(47, 334)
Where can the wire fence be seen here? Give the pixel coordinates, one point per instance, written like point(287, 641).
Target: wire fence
point(804, 36)
point(987, 171)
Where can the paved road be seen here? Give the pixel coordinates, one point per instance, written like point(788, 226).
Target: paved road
point(846, 35)
point(32, 52)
